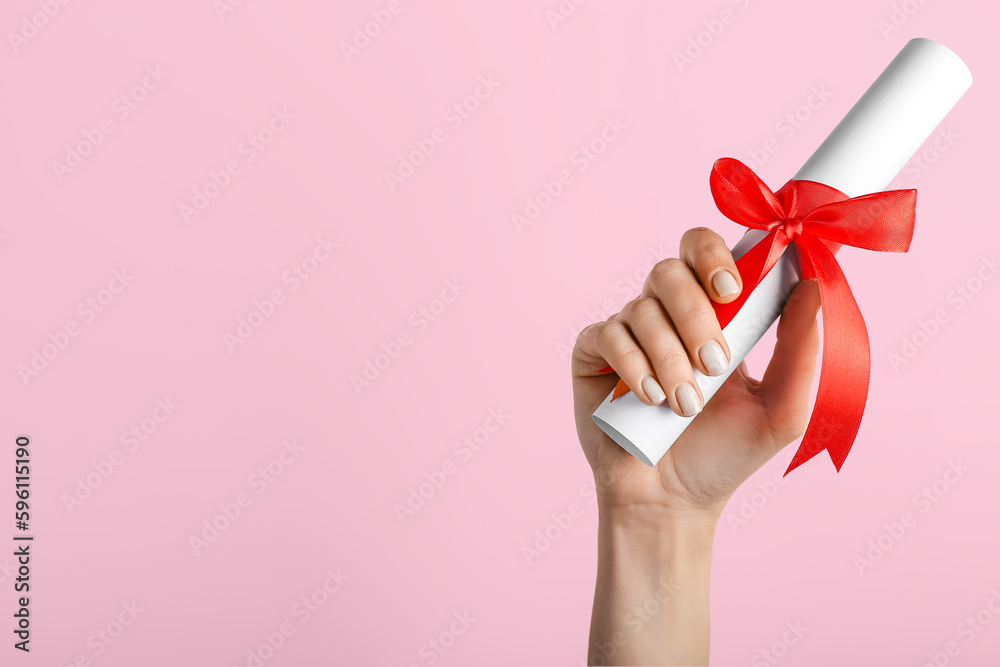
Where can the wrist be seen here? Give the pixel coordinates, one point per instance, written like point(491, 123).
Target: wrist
point(658, 539)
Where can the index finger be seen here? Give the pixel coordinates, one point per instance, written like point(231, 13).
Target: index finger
point(710, 259)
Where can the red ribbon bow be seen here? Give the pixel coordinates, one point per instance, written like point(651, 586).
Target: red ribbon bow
point(817, 220)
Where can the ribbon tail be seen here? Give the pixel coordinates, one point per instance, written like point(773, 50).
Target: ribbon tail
point(846, 364)
point(752, 266)
point(620, 390)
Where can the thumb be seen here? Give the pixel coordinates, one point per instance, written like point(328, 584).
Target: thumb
point(789, 375)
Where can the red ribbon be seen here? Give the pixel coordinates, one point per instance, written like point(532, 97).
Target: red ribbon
point(816, 219)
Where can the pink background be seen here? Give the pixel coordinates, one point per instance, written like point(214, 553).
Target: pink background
point(501, 344)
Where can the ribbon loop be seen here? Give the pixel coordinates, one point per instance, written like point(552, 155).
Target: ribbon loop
point(816, 219)
point(742, 197)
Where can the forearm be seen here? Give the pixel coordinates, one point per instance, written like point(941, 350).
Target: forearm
point(651, 601)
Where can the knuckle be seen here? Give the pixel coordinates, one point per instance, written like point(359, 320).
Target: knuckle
point(588, 332)
point(703, 246)
point(697, 235)
point(697, 238)
point(603, 334)
point(672, 360)
point(634, 359)
point(700, 316)
point(610, 337)
point(639, 308)
point(715, 257)
point(667, 270)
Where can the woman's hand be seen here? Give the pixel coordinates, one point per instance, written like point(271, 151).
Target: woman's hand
point(657, 524)
point(654, 343)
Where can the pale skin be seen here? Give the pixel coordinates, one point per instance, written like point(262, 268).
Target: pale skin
point(657, 524)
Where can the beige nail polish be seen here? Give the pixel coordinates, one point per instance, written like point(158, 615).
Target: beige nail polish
point(724, 283)
point(653, 390)
point(688, 400)
point(714, 358)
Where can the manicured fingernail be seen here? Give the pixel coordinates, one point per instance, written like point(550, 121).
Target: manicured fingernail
point(687, 399)
point(724, 283)
point(653, 390)
point(714, 358)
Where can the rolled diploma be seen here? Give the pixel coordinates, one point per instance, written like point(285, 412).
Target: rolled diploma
point(866, 150)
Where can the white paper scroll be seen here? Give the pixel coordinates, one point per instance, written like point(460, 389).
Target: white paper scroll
point(862, 155)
